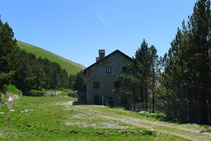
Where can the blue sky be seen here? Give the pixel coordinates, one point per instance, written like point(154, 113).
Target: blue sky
point(76, 29)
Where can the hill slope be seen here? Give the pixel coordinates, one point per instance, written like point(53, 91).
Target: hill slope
point(69, 66)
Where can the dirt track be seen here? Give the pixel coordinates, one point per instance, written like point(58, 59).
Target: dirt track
point(158, 126)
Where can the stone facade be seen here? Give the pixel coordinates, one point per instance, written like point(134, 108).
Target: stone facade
point(100, 79)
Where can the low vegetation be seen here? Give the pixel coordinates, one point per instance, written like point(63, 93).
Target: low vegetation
point(55, 118)
point(65, 92)
point(12, 89)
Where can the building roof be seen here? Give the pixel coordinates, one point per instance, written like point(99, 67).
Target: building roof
point(116, 51)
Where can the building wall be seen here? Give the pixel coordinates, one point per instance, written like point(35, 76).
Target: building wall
point(98, 73)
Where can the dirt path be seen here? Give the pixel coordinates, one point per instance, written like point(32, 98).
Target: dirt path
point(159, 126)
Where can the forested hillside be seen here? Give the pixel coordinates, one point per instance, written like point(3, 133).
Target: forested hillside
point(25, 70)
point(69, 66)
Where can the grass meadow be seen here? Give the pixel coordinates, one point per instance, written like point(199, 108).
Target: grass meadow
point(55, 118)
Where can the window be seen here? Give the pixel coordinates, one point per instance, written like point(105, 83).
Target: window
point(96, 84)
point(124, 69)
point(108, 69)
point(116, 84)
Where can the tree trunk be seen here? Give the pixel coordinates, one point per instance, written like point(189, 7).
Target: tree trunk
point(153, 94)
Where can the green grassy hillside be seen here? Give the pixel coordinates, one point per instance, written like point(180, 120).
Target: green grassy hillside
point(69, 66)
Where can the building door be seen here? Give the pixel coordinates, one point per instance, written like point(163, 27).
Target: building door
point(98, 100)
point(110, 101)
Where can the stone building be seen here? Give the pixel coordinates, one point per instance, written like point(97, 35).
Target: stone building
point(100, 79)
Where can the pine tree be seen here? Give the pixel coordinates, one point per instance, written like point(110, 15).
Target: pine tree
point(186, 78)
point(79, 81)
point(139, 80)
point(7, 44)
